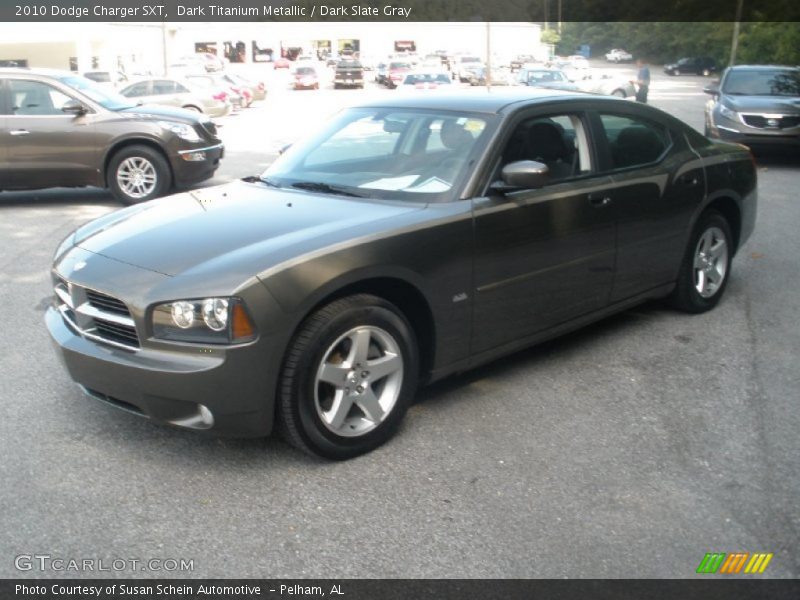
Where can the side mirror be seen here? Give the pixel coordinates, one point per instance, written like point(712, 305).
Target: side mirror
point(74, 107)
point(712, 88)
point(284, 149)
point(523, 174)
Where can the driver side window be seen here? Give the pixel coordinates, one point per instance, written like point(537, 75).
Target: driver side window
point(558, 141)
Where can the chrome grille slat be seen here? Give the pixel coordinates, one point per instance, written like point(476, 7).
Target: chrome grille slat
point(95, 315)
point(762, 121)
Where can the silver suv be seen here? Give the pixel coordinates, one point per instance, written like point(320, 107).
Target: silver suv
point(60, 129)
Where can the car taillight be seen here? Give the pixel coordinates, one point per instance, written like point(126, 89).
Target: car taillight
point(261, 87)
point(221, 96)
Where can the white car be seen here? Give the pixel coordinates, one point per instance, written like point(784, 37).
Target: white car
point(617, 55)
point(607, 82)
point(578, 62)
point(425, 80)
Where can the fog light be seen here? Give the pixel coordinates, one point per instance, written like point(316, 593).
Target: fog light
point(183, 314)
point(194, 156)
point(215, 313)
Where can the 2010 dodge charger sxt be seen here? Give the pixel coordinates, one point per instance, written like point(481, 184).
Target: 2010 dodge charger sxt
point(408, 240)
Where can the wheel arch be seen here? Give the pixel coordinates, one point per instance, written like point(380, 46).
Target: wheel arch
point(729, 209)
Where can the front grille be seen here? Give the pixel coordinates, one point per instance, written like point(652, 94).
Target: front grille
point(95, 315)
point(770, 122)
point(105, 302)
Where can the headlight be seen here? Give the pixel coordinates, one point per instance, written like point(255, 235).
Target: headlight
point(727, 112)
point(183, 131)
point(203, 321)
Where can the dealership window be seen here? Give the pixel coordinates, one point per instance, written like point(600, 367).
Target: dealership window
point(405, 46)
point(210, 47)
point(235, 52)
point(35, 98)
point(633, 141)
point(16, 62)
point(262, 53)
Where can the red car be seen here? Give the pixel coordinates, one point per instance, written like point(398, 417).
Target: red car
point(305, 78)
point(395, 73)
point(282, 63)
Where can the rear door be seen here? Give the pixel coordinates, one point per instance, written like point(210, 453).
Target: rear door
point(658, 182)
point(47, 147)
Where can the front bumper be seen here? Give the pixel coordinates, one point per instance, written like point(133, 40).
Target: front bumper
point(223, 391)
point(196, 164)
point(756, 140)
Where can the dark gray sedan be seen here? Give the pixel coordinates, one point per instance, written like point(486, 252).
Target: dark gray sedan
point(408, 240)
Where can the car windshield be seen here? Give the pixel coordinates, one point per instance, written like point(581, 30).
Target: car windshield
point(470, 59)
point(349, 64)
point(399, 65)
point(105, 97)
point(773, 82)
point(399, 154)
point(305, 71)
point(545, 76)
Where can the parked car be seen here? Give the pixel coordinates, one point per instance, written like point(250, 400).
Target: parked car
point(521, 60)
point(183, 94)
point(305, 78)
point(692, 65)
point(199, 62)
point(65, 130)
point(617, 55)
point(465, 65)
point(606, 82)
point(578, 62)
point(240, 87)
point(112, 79)
point(500, 76)
point(756, 105)
point(395, 73)
point(415, 81)
point(218, 84)
point(406, 240)
point(257, 88)
point(349, 73)
point(540, 77)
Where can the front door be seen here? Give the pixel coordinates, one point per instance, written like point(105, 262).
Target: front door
point(47, 147)
point(543, 256)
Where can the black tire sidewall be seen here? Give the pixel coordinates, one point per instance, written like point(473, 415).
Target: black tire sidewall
point(163, 173)
point(686, 296)
point(315, 434)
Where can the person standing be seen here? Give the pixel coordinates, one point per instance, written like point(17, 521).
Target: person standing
point(642, 81)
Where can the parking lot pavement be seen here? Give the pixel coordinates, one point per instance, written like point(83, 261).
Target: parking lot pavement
point(629, 449)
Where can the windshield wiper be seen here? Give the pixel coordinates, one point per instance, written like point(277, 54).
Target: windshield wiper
point(325, 188)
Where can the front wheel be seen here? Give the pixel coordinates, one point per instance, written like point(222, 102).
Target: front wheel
point(706, 265)
point(137, 174)
point(348, 378)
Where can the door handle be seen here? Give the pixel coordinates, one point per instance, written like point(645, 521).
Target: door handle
point(689, 181)
point(19, 132)
point(599, 200)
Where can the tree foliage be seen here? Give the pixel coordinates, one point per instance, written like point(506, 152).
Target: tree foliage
point(759, 42)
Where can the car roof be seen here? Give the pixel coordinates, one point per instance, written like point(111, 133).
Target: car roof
point(482, 101)
point(57, 73)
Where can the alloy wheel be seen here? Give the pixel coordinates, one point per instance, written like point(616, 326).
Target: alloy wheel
point(358, 381)
point(136, 177)
point(710, 262)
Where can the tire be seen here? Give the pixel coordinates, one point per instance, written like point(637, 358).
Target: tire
point(696, 291)
point(326, 341)
point(619, 94)
point(144, 163)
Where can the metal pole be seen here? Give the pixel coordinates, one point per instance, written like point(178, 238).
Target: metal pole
point(488, 71)
point(559, 17)
point(164, 46)
point(735, 40)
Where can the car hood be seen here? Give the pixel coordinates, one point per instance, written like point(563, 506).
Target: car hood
point(764, 104)
point(158, 111)
point(237, 226)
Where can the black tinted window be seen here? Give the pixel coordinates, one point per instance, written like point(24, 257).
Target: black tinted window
point(633, 141)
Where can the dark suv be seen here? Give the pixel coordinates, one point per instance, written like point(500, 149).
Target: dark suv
point(755, 105)
point(60, 129)
point(692, 65)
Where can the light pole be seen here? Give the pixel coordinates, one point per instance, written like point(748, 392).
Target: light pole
point(735, 40)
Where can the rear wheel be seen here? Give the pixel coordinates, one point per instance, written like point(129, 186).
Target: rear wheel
point(706, 265)
point(348, 378)
point(137, 174)
point(618, 93)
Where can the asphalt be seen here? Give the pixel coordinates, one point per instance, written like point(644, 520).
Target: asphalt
point(628, 449)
